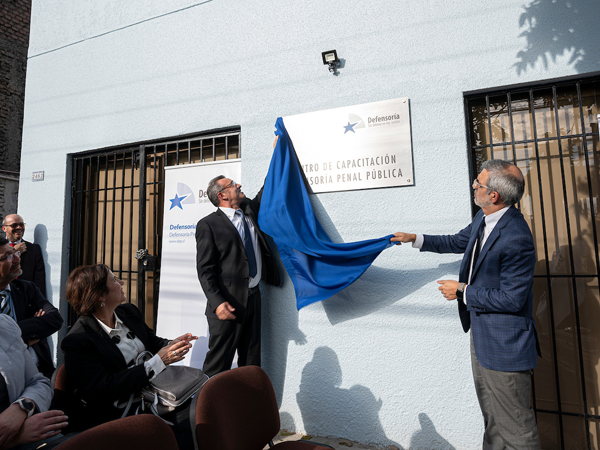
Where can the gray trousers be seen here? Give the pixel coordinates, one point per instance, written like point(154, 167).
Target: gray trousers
point(504, 398)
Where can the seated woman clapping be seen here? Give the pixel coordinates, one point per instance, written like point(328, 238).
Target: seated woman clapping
point(101, 349)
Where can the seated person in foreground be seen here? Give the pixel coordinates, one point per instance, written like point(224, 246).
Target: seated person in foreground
point(101, 349)
point(25, 395)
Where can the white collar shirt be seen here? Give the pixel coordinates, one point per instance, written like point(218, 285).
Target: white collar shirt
point(131, 348)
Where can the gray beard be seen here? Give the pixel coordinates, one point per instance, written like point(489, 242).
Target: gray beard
point(16, 274)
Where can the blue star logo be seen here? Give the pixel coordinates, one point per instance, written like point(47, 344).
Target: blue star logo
point(176, 201)
point(349, 127)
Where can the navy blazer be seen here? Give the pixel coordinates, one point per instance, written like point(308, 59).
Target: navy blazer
point(96, 368)
point(28, 300)
point(221, 260)
point(499, 297)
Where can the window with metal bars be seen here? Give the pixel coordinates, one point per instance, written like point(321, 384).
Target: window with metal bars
point(550, 131)
point(117, 203)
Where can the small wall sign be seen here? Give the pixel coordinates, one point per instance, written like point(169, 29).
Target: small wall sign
point(37, 176)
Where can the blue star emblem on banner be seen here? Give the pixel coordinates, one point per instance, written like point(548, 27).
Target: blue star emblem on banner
point(176, 201)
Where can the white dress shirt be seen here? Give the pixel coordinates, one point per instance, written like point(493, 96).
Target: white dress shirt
point(236, 220)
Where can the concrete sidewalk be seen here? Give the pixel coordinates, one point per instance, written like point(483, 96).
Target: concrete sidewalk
point(338, 444)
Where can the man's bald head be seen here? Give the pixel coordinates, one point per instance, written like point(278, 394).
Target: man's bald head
point(14, 227)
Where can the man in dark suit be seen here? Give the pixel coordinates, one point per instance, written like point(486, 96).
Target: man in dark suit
point(24, 302)
point(232, 258)
point(495, 300)
point(32, 262)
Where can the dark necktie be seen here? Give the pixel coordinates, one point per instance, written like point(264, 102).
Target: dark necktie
point(12, 244)
point(478, 245)
point(5, 305)
point(248, 246)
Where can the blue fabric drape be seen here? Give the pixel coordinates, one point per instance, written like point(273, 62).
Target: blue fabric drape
point(318, 267)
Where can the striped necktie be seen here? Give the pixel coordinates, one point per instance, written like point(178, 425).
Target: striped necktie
point(5, 306)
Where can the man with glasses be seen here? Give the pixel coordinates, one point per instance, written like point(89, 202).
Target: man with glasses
point(23, 301)
point(494, 293)
point(32, 262)
point(232, 258)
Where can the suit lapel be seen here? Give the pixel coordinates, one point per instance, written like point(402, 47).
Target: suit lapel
point(466, 264)
point(229, 226)
point(493, 237)
point(104, 342)
point(19, 301)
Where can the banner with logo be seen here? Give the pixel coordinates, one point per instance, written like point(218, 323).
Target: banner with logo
point(182, 302)
point(355, 147)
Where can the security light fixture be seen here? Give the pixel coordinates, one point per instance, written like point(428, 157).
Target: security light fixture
point(330, 59)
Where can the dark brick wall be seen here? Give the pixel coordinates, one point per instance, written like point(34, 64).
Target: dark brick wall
point(15, 17)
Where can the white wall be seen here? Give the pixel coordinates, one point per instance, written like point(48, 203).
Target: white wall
point(386, 361)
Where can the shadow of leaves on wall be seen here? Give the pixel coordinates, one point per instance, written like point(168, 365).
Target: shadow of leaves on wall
point(555, 28)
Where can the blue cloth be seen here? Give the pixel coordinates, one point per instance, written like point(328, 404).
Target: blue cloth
point(499, 307)
point(318, 267)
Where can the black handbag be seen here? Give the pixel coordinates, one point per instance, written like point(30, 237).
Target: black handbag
point(168, 390)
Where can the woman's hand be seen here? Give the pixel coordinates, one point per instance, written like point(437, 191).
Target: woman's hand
point(174, 352)
point(187, 337)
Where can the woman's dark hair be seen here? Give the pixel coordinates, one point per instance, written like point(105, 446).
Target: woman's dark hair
point(85, 286)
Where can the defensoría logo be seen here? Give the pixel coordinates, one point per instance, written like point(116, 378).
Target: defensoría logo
point(354, 121)
point(183, 196)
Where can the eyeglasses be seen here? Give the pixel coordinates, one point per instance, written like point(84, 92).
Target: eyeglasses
point(232, 183)
point(476, 184)
point(9, 256)
point(15, 225)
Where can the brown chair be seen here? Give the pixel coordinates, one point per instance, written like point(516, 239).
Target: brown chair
point(143, 432)
point(64, 399)
point(237, 410)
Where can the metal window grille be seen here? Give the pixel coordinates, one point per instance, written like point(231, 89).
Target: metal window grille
point(117, 201)
point(550, 131)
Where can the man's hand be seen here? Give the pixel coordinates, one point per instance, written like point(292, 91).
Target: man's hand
point(11, 421)
point(448, 288)
point(31, 342)
point(225, 311)
point(403, 238)
point(42, 426)
point(21, 247)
